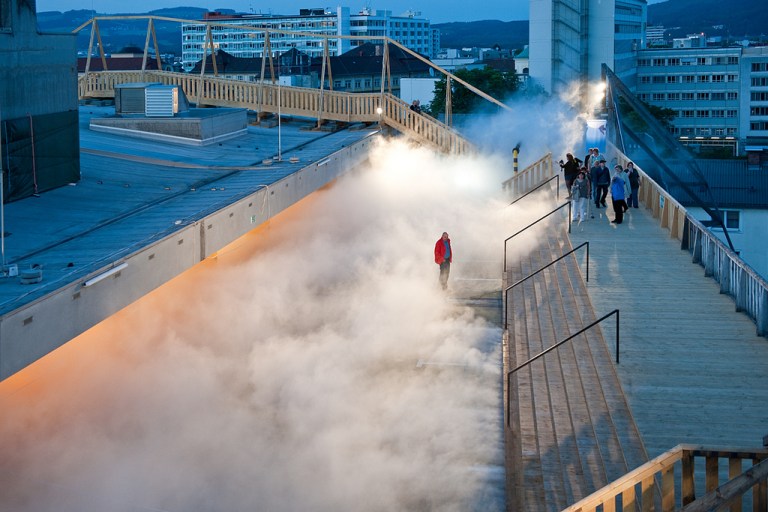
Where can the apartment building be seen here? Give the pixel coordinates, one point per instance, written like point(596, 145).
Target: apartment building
point(310, 28)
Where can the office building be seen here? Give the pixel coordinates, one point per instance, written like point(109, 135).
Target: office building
point(571, 39)
point(720, 94)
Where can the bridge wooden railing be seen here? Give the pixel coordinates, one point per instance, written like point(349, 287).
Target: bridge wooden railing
point(525, 180)
point(299, 101)
point(735, 276)
point(653, 486)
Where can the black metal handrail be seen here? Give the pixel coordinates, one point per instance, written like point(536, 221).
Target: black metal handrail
point(556, 345)
point(537, 187)
point(568, 204)
point(506, 290)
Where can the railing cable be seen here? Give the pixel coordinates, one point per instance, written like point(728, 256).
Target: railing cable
point(557, 189)
point(568, 204)
point(553, 347)
point(506, 290)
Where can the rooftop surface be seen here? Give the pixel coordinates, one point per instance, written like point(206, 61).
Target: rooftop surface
point(133, 192)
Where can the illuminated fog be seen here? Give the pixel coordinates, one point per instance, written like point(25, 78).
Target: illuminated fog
point(313, 365)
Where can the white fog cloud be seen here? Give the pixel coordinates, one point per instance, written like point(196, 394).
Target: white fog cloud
point(314, 365)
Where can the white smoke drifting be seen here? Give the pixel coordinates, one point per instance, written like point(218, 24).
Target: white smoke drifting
point(313, 365)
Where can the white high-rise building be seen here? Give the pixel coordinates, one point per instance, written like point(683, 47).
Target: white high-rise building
point(571, 39)
point(408, 29)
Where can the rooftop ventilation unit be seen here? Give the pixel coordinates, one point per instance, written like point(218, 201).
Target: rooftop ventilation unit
point(161, 100)
point(129, 98)
point(150, 99)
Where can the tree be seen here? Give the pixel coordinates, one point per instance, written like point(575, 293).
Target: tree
point(498, 84)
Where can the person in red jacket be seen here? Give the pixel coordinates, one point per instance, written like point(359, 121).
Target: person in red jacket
point(443, 257)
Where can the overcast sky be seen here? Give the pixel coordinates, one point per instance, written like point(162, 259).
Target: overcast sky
point(437, 11)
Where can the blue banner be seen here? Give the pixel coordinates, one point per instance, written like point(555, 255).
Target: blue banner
point(595, 137)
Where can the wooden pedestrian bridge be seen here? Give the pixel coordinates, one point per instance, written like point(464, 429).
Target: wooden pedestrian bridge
point(267, 96)
point(662, 404)
point(635, 362)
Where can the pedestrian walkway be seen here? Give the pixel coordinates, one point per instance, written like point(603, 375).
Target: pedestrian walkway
point(693, 369)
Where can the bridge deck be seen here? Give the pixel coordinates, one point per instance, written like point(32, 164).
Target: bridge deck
point(692, 368)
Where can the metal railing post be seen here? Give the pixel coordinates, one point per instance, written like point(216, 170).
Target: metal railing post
point(617, 336)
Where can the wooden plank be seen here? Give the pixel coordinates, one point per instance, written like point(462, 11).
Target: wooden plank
point(687, 358)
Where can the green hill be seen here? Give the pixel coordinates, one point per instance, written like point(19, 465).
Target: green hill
point(734, 18)
point(507, 34)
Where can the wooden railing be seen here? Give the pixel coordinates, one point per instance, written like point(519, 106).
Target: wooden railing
point(297, 101)
point(653, 485)
point(530, 177)
point(735, 276)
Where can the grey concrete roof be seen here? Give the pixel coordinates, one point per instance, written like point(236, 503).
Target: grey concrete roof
point(135, 191)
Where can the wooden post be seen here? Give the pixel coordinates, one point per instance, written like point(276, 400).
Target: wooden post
point(268, 52)
point(157, 48)
point(322, 85)
point(146, 48)
point(213, 51)
point(448, 105)
point(261, 79)
point(101, 46)
point(688, 489)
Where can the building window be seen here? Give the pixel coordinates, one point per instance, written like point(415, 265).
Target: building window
point(733, 60)
point(718, 78)
point(686, 113)
point(718, 96)
point(673, 96)
point(731, 219)
point(659, 96)
point(689, 79)
point(703, 78)
point(702, 96)
point(732, 96)
point(671, 79)
point(702, 113)
point(687, 96)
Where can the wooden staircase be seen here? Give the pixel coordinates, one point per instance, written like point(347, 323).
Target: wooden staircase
point(570, 430)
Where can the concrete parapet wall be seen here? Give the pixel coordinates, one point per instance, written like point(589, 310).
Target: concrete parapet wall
point(185, 129)
point(30, 332)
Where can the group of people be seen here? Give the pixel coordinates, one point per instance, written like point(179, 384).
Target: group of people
point(584, 183)
point(590, 179)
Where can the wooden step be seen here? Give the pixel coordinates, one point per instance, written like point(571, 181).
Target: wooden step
point(572, 430)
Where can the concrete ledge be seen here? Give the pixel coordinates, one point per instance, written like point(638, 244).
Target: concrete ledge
point(198, 127)
point(35, 329)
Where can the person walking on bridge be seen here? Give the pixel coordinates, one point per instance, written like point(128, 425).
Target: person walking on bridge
point(570, 170)
point(617, 195)
point(443, 257)
point(601, 178)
